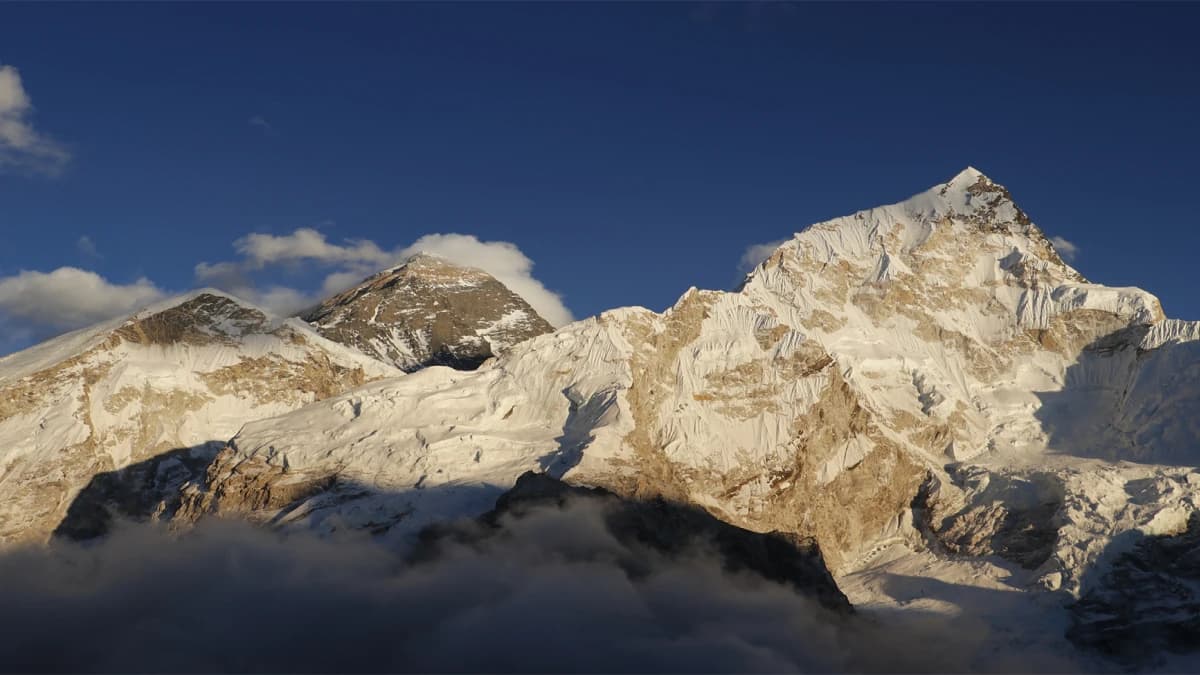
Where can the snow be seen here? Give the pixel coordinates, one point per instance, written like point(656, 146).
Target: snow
point(54, 351)
point(865, 347)
point(123, 400)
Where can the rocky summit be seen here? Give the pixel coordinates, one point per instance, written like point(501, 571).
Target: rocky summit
point(428, 311)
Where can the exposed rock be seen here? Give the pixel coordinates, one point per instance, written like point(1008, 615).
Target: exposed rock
point(428, 312)
point(1015, 517)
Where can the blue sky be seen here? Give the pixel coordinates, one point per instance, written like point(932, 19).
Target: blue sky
point(628, 150)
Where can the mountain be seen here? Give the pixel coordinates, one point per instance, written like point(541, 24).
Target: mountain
point(957, 419)
point(152, 397)
point(428, 312)
point(927, 389)
point(851, 366)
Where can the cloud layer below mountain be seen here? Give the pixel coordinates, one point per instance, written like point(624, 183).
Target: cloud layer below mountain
point(548, 595)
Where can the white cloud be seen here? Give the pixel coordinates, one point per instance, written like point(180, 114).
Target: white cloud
point(232, 278)
point(756, 253)
point(21, 146)
point(282, 300)
point(501, 259)
point(307, 243)
point(222, 275)
point(351, 261)
point(262, 123)
point(1068, 250)
point(69, 298)
point(339, 281)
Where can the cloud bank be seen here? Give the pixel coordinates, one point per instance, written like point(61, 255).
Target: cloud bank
point(69, 297)
point(22, 147)
point(555, 592)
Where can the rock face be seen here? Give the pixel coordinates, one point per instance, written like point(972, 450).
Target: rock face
point(428, 312)
point(158, 393)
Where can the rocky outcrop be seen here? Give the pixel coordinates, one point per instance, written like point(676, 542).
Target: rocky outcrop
point(428, 312)
point(1015, 517)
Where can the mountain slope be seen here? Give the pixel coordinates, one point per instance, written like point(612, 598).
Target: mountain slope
point(935, 353)
point(428, 312)
point(181, 376)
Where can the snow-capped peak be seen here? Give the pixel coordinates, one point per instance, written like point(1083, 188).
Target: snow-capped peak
point(973, 197)
point(968, 176)
point(183, 298)
point(189, 305)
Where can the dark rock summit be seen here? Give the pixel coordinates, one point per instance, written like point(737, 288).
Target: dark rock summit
point(428, 312)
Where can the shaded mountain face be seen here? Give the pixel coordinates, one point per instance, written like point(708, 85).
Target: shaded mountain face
point(428, 312)
point(168, 385)
point(1147, 604)
point(657, 527)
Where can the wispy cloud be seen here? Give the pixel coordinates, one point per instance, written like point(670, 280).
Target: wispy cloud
point(756, 253)
point(261, 122)
point(87, 248)
point(23, 148)
point(1067, 249)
